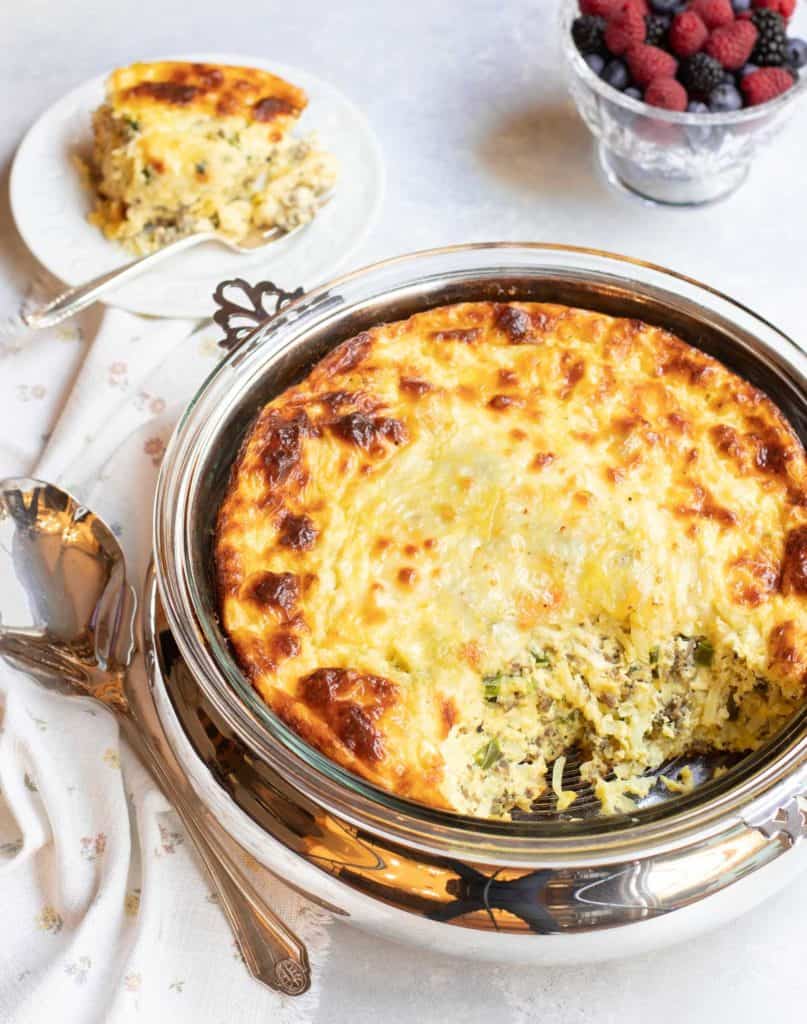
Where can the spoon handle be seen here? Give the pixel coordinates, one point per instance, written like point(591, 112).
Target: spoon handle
point(75, 299)
point(272, 952)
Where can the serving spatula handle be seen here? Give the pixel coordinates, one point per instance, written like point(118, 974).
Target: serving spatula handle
point(272, 952)
point(75, 299)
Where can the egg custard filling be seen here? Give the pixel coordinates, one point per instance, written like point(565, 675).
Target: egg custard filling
point(182, 148)
point(473, 543)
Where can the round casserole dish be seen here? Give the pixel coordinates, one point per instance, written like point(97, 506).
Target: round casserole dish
point(553, 889)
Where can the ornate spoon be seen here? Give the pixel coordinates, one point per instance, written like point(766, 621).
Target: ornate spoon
point(75, 299)
point(63, 576)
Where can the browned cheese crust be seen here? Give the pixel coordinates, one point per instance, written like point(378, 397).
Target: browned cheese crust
point(208, 90)
point(441, 495)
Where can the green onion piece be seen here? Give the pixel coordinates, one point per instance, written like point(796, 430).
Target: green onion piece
point(201, 167)
point(654, 652)
point(493, 685)
point(488, 755)
point(134, 125)
point(541, 658)
point(704, 652)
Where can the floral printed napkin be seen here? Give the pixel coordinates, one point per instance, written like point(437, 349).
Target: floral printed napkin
point(109, 916)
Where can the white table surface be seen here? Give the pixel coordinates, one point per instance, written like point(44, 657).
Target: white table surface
point(481, 144)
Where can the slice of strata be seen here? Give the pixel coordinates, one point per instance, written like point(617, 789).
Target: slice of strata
point(181, 148)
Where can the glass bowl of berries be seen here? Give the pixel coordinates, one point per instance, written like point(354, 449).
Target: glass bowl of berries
point(681, 94)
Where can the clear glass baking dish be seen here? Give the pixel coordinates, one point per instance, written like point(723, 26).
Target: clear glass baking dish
point(195, 471)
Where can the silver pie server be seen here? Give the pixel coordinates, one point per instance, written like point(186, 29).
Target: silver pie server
point(75, 299)
point(67, 615)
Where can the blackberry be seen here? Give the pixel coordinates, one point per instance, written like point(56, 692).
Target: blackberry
point(700, 75)
point(657, 25)
point(771, 47)
point(588, 32)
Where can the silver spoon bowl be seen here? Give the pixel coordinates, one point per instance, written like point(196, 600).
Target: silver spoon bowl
point(67, 616)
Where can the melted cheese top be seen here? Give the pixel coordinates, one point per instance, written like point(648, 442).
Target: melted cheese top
point(168, 91)
point(444, 500)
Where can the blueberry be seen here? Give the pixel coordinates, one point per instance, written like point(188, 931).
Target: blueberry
point(699, 135)
point(595, 62)
point(796, 54)
point(728, 78)
point(627, 117)
point(724, 99)
point(615, 73)
point(747, 69)
point(665, 6)
point(739, 6)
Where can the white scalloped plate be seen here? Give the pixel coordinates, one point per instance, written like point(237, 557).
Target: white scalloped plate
point(50, 204)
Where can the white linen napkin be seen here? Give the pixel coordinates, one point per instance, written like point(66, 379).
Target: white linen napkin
point(110, 916)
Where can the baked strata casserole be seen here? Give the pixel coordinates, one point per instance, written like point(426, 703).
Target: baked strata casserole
point(182, 148)
point(477, 540)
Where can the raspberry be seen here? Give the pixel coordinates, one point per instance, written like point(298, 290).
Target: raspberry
point(764, 85)
point(608, 8)
point(732, 44)
point(649, 62)
point(666, 93)
point(600, 8)
point(625, 29)
point(687, 34)
point(783, 7)
point(714, 13)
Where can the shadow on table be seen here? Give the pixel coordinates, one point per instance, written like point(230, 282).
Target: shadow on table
point(17, 264)
point(545, 150)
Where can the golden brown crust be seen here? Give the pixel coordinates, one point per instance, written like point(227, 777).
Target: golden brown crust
point(794, 569)
point(211, 90)
point(598, 466)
